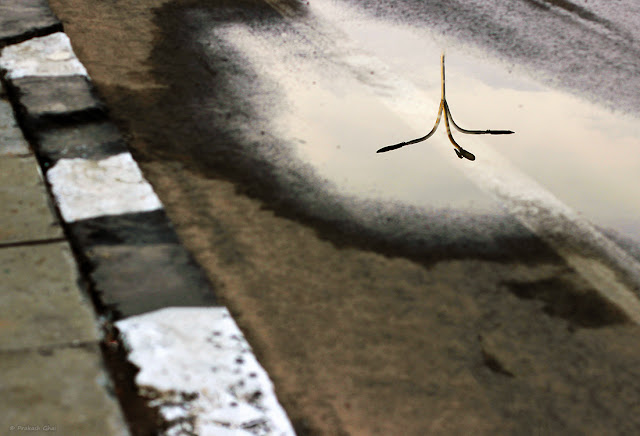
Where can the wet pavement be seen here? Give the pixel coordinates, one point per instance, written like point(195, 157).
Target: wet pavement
point(410, 292)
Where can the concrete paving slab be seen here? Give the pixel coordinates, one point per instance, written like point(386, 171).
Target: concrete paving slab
point(97, 140)
point(12, 142)
point(41, 303)
point(23, 19)
point(48, 99)
point(49, 55)
point(26, 213)
point(59, 391)
point(135, 279)
point(86, 189)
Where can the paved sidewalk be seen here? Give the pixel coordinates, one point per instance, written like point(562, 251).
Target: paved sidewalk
point(51, 371)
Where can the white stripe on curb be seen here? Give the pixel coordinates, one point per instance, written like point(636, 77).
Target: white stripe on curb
point(203, 372)
point(49, 55)
point(86, 188)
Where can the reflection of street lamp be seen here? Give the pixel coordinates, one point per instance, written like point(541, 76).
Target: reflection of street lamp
point(444, 107)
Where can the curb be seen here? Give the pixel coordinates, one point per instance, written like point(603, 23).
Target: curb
point(196, 368)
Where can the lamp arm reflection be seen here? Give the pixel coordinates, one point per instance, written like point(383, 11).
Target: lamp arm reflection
point(415, 141)
point(475, 132)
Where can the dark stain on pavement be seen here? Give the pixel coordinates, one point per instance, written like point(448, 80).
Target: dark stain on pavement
point(581, 307)
point(494, 364)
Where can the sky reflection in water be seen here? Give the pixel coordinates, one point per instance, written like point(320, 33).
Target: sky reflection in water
point(586, 155)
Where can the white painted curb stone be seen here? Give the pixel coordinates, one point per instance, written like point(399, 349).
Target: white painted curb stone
point(49, 55)
point(203, 374)
point(86, 188)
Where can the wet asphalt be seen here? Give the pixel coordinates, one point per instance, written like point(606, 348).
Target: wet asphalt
point(438, 312)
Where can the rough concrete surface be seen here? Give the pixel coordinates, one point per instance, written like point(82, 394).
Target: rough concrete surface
point(49, 98)
point(41, 303)
point(12, 141)
point(26, 213)
point(130, 229)
point(95, 140)
point(23, 19)
point(40, 397)
point(122, 280)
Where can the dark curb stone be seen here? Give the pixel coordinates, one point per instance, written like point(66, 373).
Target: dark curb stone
point(136, 279)
point(51, 100)
point(24, 19)
point(93, 140)
point(128, 229)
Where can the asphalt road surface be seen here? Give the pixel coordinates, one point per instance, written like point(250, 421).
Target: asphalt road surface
point(409, 292)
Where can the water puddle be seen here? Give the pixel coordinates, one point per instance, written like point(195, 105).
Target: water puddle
point(337, 124)
point(338, 72)
point(585, 154)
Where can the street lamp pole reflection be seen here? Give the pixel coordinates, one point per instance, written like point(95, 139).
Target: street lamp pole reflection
point(444, 108)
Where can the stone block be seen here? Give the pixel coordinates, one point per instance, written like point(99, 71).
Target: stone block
point(130, 229)
point(56, 100)
point(94, 140)
point(135, 279)
point(86, 188)
point(202, 374)
point(41, 303)
point(50, 55)
point(24, 19)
